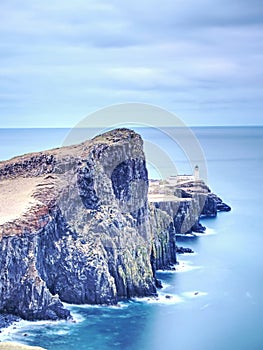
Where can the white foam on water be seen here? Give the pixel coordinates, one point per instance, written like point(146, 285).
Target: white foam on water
point(77, 318)
point(182, 266)
point(170, 299)
point(188, 254)
point(121, 304)
point(80, 306)
point(208, 232)
point(165, 285)
point(185, 235)
point(186, 266)
point(9, 332)
point(167, 299)
point(61, 332)
point(166, 271)
point(6, 333)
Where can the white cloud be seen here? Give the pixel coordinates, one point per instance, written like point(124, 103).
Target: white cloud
point(68, 58)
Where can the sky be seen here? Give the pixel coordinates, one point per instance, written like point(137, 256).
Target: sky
point(61, 60)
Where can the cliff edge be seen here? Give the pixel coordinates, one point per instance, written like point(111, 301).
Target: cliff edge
point(77, 226)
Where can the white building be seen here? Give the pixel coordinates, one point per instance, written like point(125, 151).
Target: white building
point(176, 179)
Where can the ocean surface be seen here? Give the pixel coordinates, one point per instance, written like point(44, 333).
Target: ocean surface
point(215, 296)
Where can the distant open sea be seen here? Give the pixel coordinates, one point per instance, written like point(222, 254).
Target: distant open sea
point(226, 269)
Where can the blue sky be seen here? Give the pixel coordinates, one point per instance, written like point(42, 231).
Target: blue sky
point(61, 60)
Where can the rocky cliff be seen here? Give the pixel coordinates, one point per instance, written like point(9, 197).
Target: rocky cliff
point(186, 203)
point(76, 226)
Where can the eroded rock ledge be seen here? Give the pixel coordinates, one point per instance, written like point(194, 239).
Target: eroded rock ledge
point(76, 226)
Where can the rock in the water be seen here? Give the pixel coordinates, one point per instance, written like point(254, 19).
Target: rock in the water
point(198, 227)
point(182, 250)
point(168, 296)
point(6, 320)
point(158, 283)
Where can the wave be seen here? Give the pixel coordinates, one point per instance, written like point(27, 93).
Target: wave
point(121, 304)
point(182, 266)
point(165, 286)
point(185, 235)
point(9, 333)
point(170, 298)
point(189, 254)
point(19, 329)
point(167, 299)
point(208, 232)
point(186, 266)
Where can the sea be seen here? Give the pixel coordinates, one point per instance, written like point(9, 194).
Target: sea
point(214, 298)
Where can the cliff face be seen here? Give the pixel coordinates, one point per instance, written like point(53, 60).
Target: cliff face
point(76, 226)
point(23, 292)
point(186, 203)
point(79, 228)
point(163, 254)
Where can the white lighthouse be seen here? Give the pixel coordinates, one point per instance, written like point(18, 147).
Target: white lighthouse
point(196, 173)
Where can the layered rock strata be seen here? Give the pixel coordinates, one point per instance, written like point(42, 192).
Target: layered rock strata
point(77, 226)
point(186, 203)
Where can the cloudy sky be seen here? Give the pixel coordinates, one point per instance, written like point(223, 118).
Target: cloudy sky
point(61, 60)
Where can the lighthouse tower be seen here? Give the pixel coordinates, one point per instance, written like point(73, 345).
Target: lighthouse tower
point(196, 173)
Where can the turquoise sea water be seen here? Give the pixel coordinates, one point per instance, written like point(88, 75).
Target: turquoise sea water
point(216, 298)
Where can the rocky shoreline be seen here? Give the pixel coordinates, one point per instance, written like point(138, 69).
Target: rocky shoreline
point(182, 250)
point(7, 320)
point(80, 227)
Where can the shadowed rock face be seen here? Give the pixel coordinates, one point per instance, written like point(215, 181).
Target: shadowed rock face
point(186, 203)
point(23, 292)
point(86, 234)
point(76, 226)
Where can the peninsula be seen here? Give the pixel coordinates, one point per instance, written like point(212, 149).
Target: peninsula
point(83, 224)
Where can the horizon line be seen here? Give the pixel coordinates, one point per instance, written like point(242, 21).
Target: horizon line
point(139, 126)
